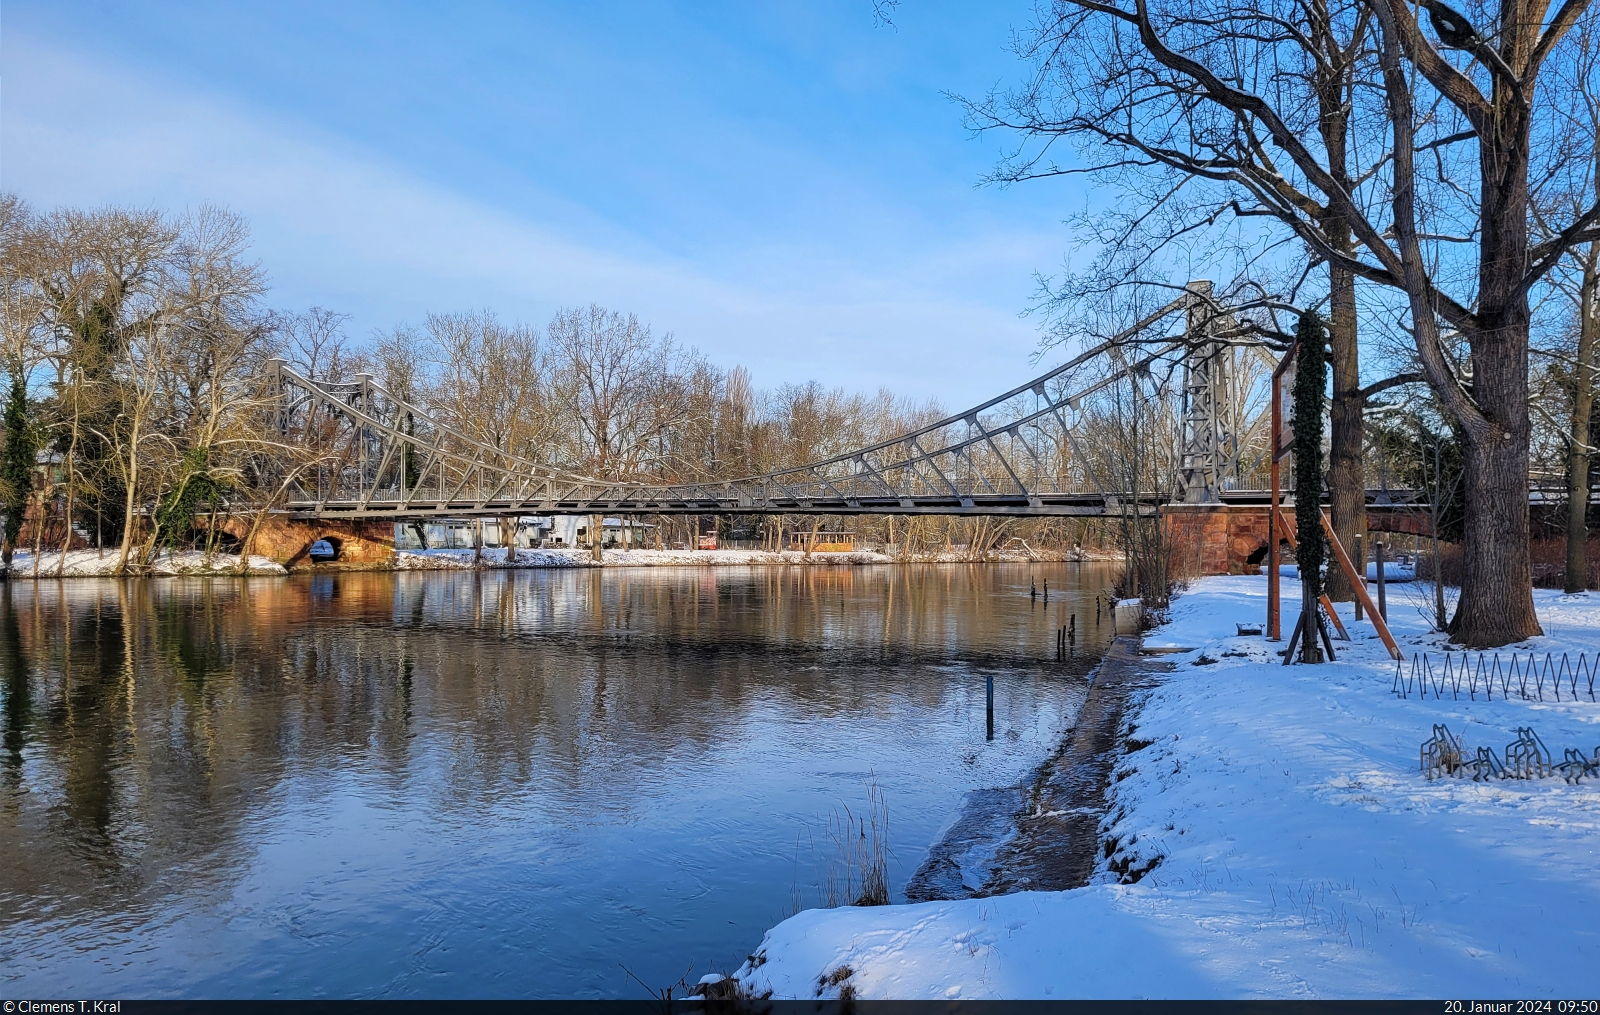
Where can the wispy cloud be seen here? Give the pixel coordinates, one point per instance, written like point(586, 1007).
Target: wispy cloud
point(352, 229)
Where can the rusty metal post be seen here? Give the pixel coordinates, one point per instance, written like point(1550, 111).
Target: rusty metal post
point(1361, 568)
point(1383, 601)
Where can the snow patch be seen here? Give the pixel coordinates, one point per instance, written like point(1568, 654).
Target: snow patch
point(1302, 852)
point(97, 563)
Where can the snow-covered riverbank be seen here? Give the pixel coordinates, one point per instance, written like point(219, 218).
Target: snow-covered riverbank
point(1299, 851)
point(103, 564)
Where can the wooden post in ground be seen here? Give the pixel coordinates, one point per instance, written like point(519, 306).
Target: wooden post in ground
point(1278, 450)
point(1327, 642)
point(1294, 642)
point(1274, 633)
point(1310, 651)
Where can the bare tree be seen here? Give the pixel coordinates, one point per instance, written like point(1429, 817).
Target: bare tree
point(151, 325)
point(105, 275)
point(315, 344)
point(131, 433)
point(1195, 89)
point(617, 385)
point(1576, 278)
point(488, 384)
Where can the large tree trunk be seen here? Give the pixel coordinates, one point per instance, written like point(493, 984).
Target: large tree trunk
point(1346, 478)
point(1491, 412)
point(1577, 576)
point(1347, 485)
point(1496, 606)
point(508, 538)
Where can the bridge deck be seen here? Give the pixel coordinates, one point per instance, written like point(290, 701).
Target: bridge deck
point(1046, 505)
point(1069, 505)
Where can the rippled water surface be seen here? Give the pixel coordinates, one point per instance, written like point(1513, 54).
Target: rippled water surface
point(487, 784)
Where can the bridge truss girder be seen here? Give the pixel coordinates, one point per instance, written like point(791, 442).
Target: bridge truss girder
point(374, 455)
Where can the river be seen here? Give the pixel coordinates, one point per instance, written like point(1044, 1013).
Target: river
point(552, 783)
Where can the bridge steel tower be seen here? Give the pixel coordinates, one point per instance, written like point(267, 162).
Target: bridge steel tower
point(1209, 456)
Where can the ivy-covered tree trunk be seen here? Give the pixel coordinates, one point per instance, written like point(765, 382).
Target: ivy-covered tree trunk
point(16, 463)
point(1310, 385)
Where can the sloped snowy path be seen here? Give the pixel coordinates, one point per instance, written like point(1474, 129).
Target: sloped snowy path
point(1301, 852)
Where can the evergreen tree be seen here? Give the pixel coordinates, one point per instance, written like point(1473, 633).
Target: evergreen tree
point(16, 463)
point(1310, 398)
point(196, 489)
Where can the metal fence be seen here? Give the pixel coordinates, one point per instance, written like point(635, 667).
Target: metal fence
point(1526, 679)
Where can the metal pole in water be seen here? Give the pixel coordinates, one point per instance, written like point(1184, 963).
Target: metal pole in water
point(989, 695)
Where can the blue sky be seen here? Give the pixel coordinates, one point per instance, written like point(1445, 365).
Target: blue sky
point(782, 186)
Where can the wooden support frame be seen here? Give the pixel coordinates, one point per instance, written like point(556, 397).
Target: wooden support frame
point(1288, 533)
point(1359, 583)
point(1276, 520)
point(1280, 450)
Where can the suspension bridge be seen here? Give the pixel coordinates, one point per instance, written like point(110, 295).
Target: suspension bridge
point(1027, 452)
point(1057, 445)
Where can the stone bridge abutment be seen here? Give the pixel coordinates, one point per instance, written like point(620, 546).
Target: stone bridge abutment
point(1232, 538)
point(288, 540)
